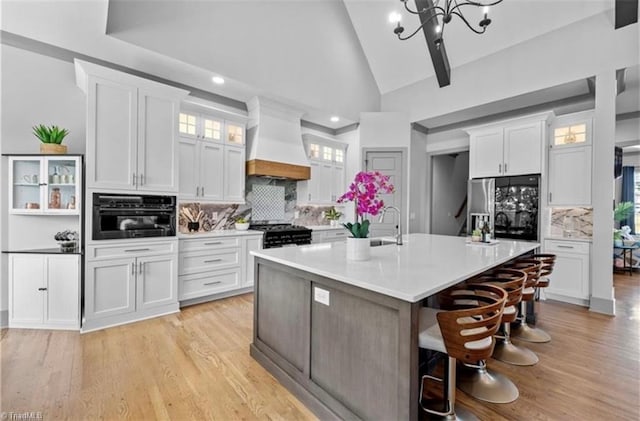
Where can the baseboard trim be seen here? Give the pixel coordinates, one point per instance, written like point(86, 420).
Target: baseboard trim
point(603, 305)
point(4, 318)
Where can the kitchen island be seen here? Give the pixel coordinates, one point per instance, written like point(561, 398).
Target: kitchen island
point(343, 335)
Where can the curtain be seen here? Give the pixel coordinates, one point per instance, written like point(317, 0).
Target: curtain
point(628, 195)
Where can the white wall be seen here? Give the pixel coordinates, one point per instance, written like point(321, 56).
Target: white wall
point(36, 89)
point(631, 159)
point(417, 182)
point(570, 53)
point(353, 166)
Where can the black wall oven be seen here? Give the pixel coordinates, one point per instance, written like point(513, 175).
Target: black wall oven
point(133, 216)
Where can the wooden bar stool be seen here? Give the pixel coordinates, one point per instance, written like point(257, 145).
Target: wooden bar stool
point(464, 331)
point(512, 281)
point(533, 269)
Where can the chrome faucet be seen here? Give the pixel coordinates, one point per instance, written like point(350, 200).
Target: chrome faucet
point(398, 227)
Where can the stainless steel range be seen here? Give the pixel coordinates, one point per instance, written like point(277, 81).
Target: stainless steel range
point(279, 235)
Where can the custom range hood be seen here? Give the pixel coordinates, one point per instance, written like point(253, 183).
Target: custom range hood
point(274, 141)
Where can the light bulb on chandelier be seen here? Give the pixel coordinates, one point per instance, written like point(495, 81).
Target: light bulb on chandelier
point(429, 10)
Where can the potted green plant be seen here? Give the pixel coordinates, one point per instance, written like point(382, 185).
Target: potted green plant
point(622, 211)
point(242, 223)
point(51, 138)
point(332, 215)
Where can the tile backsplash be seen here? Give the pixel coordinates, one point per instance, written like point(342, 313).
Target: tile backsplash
point(571, 222)
point(276, 201)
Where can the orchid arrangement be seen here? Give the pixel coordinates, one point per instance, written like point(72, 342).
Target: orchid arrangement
point(364, 192)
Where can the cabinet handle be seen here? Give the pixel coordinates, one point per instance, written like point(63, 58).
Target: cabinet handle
point(213, 283)
point(565, 247)
point(505, 167)
point(212, 261)
point(499, 168)
point(133, 269)
point(309, 196)
point(197, 191)
point(135, 179)
point(134, 250)
point(141, 268)
point(202, 191)
point(141, 179)
point(42, 289)
point(213, 244)
point(550, 197)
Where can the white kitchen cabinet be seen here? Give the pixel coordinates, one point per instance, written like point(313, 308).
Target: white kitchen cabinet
point(513, 147)
point(570, 280)
point(327, 182)
point(570, 176)
point(44, 291)
point(329, 235)
point(251, 244)
point(212, 158)
point(570, 160)
point(127, 281)
point(216, 266)
point(45, 185)
point(131, 131)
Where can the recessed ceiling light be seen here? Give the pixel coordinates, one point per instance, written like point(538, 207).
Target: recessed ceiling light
point(217, 80)
point(335, 119)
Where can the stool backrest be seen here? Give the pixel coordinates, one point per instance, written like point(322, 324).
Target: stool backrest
point(511, 280)
point(530, 266)
point(468, 328)
point(548, 261)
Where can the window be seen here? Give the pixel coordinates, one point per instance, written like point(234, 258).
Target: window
point(570, 134)
point(187, 124)
point(636, 182)
point(339, 155)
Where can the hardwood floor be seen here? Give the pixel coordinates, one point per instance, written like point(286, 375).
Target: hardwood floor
point(196, 365)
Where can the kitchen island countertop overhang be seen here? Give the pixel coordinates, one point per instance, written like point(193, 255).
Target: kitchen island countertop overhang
point(423, 266)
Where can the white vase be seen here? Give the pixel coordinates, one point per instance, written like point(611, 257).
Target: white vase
point(333, 223)
point(358, 249)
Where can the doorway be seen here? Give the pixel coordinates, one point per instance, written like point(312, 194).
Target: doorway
point(390, 162)
point(449, 177)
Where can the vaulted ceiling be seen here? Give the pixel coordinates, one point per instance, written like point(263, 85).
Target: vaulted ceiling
point(327, 57)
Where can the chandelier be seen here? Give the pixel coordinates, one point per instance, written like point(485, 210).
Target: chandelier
point(432, 12)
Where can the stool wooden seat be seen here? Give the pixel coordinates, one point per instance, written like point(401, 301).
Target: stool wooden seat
point(464, 330)
point(513, 282)
point(533, 268)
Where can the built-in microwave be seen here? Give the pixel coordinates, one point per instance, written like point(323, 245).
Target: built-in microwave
point(133, 216)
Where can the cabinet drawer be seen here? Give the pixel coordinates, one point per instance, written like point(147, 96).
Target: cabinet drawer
point(207, 283)
point(566, 246)
point(209, 243)
point(334, 235)
point(205, 260)
point(120, 250)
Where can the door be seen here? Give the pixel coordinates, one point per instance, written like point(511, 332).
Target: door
point(390, 164)
point(523, 149)
point(337, 182)
point(189, 158)
point(157, 148)
point(110, 288)
point(234, 170)
point(570, 176)
point(26, 192)
point(62, 180)
point(570, 276)
point(63, 303)
point(486, 154)
point(157, 282)
point(112, 127)
point(211, 171)
point(27, 287)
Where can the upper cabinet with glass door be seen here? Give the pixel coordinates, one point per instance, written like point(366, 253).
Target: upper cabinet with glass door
point(45, 185)
point(200, 126)
point(571, 130)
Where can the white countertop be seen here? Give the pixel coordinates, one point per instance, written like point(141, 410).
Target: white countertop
point(218, 233)
point(424, 265)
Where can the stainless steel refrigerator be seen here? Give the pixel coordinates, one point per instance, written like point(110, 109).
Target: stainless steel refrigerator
point(510, 204)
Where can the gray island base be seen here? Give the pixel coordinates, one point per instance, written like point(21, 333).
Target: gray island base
point(343, 336)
